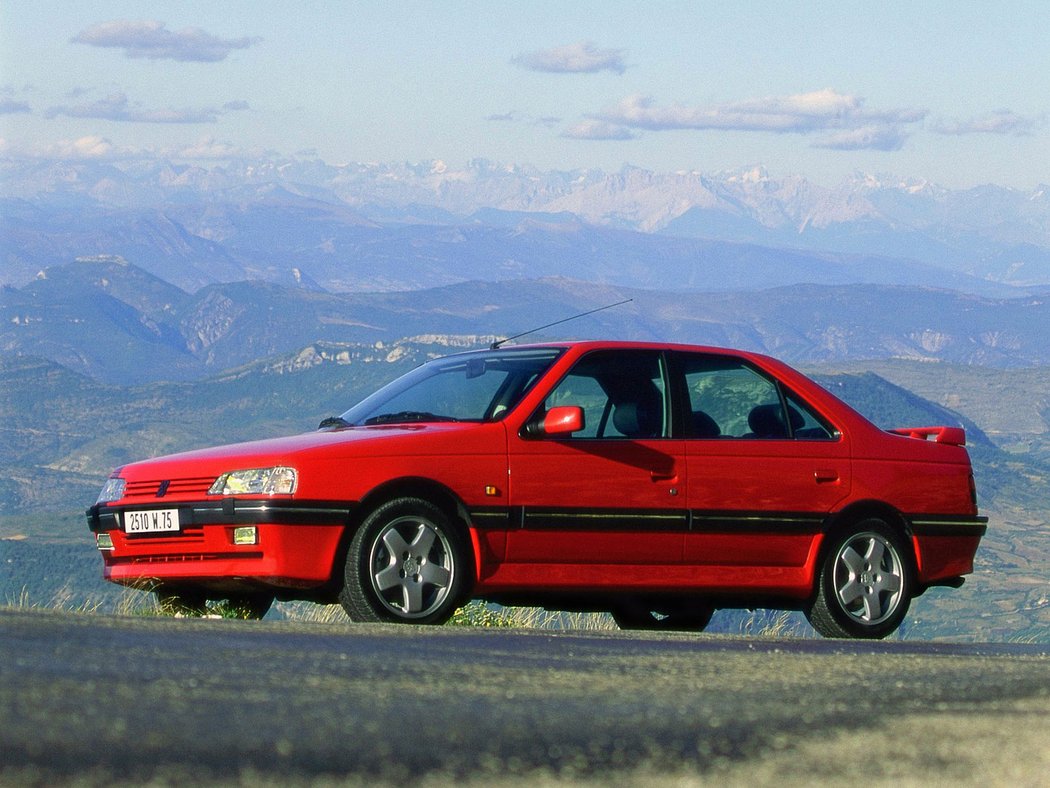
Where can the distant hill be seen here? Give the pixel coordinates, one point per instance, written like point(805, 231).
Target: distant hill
point(117, 323)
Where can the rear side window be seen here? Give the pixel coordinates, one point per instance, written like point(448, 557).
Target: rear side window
point(811, 426)
point(729, 399)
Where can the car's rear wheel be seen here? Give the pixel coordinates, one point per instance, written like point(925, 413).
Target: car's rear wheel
point(640, 614)
point(865, 583)
point(407, 563)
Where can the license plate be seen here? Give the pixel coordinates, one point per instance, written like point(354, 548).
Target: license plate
point(151, 521)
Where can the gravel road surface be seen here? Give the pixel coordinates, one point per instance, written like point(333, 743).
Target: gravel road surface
point(90, 699)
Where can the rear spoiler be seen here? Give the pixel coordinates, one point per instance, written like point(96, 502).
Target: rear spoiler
point(955, 436)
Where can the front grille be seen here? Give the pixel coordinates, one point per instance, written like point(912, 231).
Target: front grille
point(175, 558)
point(150, 488)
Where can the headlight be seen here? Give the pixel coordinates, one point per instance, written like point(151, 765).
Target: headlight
point(112, 491)
point(256, 481)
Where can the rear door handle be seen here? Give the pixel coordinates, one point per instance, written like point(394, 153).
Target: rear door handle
point(668, 475)
point(826, 475)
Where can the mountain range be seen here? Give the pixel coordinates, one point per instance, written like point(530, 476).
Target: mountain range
point(118, 323)
point(354, 227)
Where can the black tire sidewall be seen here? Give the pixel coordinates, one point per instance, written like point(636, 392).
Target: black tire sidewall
point(827, 604)
point(361, 600)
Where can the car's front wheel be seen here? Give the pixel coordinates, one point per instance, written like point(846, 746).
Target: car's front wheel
point(865, 583)
point(407, 563)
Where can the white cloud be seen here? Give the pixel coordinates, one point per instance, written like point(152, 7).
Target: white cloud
point(96, 147)
point(151, 39)
point(580, 58)
point(89, 147)
point(1001, 121)
point(597, 130)
point(513, 116)
point(117, 107)
point(13, 106)
point(208, 148)
point(885, 138)
point(803, 113)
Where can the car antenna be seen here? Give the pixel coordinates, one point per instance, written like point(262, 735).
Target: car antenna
point(495, 345)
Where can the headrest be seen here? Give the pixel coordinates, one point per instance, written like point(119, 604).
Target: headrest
point(636, 420)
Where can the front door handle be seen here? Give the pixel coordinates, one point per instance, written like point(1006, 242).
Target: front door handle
point(669, 475)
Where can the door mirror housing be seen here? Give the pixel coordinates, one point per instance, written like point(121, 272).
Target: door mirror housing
point(560, 421)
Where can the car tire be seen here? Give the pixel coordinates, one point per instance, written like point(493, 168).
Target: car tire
point(407, 563)
point(638, 614)
point(865, 583)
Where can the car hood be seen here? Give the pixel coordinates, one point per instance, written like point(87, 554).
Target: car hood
point(348, 442)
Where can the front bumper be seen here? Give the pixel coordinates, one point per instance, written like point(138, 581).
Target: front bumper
point(296, 546)
point(228, 511)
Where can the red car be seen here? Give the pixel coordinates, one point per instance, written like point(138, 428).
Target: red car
point(658, 482)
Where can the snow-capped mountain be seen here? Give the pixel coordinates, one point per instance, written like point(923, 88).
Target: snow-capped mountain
point(197, 224)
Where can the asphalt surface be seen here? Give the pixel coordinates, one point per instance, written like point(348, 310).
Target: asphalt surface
point(89, 699)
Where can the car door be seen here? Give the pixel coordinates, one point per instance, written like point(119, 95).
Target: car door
point(605, 504)
point(764, 467)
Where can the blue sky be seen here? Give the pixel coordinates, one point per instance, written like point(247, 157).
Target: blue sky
point(957, 93)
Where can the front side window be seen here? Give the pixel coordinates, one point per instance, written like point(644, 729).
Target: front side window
point(729, 399)
point(622, 394)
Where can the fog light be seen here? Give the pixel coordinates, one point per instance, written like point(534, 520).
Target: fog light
point(247, 534)
point(104, 541)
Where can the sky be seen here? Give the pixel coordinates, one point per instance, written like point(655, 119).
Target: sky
point(954, 93)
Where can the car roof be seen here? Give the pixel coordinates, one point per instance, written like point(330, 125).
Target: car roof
point(623, 344)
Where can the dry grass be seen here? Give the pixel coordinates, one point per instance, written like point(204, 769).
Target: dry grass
point(480, 614)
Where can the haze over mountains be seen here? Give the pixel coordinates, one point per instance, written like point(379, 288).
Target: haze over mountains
point(139, 271)
point(398, 227)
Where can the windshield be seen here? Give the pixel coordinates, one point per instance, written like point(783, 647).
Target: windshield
point(481, 386)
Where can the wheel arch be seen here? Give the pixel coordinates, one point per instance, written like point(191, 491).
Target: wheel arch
point(405, 487)
point(862, 510)
point(857, 512)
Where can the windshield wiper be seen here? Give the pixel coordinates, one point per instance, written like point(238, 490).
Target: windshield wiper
point(406, 416)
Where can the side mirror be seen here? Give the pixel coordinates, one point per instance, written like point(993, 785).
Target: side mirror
point(562, 420)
